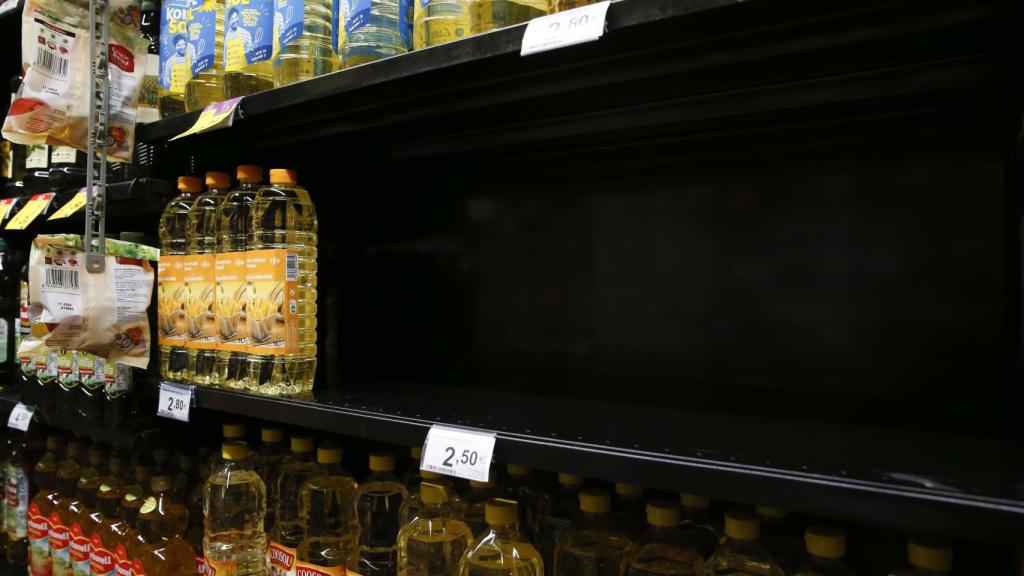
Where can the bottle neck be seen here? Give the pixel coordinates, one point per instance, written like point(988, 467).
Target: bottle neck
point(304, 456)
point(251, 186)
point(66, 485)
point(505, 532)
point(108, 507)
point(46, 479)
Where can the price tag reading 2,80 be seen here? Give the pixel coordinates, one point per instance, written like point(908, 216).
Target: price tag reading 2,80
point(458, 452)
point(175, 401)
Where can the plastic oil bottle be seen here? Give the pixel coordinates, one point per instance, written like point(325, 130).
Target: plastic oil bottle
point(502, 551)
point(741, 553)
point(378, 506)
point(628, 508)
point(557, 523)
point(305, 41)
point(779, 537)
point(494, 14)
point(234, 505)
point(534, 504)
point(415, 503)
point(326, 501)
point(288, 529)
point(433, 542)
point(375, 29)
point(233, 227)
point(411, 476)
point(81, 510)
point(161, 522)
point(697, 523)
point(476, 504)
point(596, 547)
point(247, 46)
point(103, 540)
point(268, 462)
point(127, 546)
point(186, 476)
point(175, 59)
point(663, 549)
point(927, 557)
point(439, 21)
point(41, 507)
point(172, 320)
point(60, 518)
point(826, 547)
point(27, 450)
point(202, 245)
point(283, 218)
point(205, 28)
point(561, 5)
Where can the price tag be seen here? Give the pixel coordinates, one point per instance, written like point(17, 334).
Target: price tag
point(561, 29)
point(216, 115)
point(76, 203)
point(21, 417)
point(458, 452)
point(5, 207)
point(175, 401)
point(32, 209)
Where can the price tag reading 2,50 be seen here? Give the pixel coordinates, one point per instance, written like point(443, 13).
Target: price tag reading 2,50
point(458, 452)
point(174, 402)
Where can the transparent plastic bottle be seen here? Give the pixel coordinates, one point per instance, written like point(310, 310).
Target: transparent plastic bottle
point(268, 463)
point(59, 537)
point(186, 476)
point(202, 241)
point(234, 505)
point(247, 47)
point(234, 221)
point(494, 14)
point(288, 528)
point(562, 5)
point(439, 21)
point(415, 503)
point(741, 553)
point(628, 508)
point(698, 524)
point(502, 551)
point(378, 506)
point(175, 59)
point(42, 506)
point(283, 217)
point(555, 524)
point(160, 524)
point(433, 542)
point(231, 432)
point(476, 503)
point(663, 549)
point(205, 28)
point(927, 557)
point(826, 547)
point(27, 449)
point(597, 547)
point(306, 51)
point(779, 537)
point(411, 476)
point(172, 320)
point(375, 29)
point(534, 504)
point(326, 503)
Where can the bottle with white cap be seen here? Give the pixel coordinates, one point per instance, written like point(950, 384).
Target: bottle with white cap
point(826, 547)
point(664, 549)
point(741, 553)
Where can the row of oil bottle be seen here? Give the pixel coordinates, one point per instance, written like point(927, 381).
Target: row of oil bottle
point(211, 50)
point(74, 510)
point(236, 284)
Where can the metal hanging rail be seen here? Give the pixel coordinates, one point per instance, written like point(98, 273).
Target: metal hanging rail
point(99, 110)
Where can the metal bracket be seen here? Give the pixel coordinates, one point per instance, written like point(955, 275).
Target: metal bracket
point(99, 112)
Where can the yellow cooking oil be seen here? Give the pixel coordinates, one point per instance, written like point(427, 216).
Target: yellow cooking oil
point(202, 245)
point(205, 29)
point(597, 546)
point(375, 29)
point(927, 557)
point(432, 543)
point(171, 295)
point(439, 21)
point(304, 40)
point(175, 64)
point(825, 548)
point(286, 533)
point(740, 553)
point(247, 45)
point(233, 227)
point(234, 504)
point(562, 5)
point(415, 504)
point(326, 504)
point(494, 14)
point(160, 524)
point(502, 550)
point(281, 311)
point(378, 505)
point(663, 549)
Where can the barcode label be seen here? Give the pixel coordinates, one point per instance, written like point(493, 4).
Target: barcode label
point(291, 267)
point(62, 278)
point(52, 62)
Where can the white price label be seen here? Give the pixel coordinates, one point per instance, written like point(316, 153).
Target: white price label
point(21, 417)
point(561, 29)
point(175, 401)
point(458, 452)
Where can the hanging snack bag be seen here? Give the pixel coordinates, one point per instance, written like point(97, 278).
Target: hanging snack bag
point(52, 104)
point(103, 313)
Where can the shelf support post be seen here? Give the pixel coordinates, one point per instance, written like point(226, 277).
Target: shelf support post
point(99, 111)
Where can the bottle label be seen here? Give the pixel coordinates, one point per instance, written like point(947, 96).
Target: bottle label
point(67, 368)
point(38, 156)
point(339, 15)
point(202, 33)
point(46, 364)
point(171, 295)
point(101, 560)
point(175, 63)
point(229, 305)
point(306, 569)
point(359, 16)
point(4, 335)
point(288, 16)
point(16, 521)
point(63, 155)
point(137, 568)
point(79, 551)
point(272, 311)
point(202, 568)
point(281, 559)
point(221, 568)
point(38, 542)
point(120, 379)
point(198, 275)
point(123, 564)
point(60, 546)
point(248, 31)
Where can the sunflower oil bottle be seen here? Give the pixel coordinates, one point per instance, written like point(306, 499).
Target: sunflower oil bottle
point(439, 21)
point(287, 532)
point(596, 547)
point(233, 227)
point(27, 450)
point(127, 544)
point(415, 503)
point(378, 506)
point(282, 254)
point(326, 503)
point(698, 524)
point(556, 523)
point(80, 515)
point(40, 508)
point(533, 500)
point(476, 504)
point(303, 37)
point(562, 5)
point(186, 476)
point(628, 508)
point(502, 551)
point(825, 547)
point(780, 538)
point(172, 291)
point(494, 14)
point(434, 541)
point(59, 537)
point(234, 504)
point(103, 541)
point(205, 51)
point(200, 269)
point(268, 462)
point(160, 524)
point(927, 557)
point(663, 549)
point(741, 553)
point(375, 29)
point(411, 476)
point(175, 58)
point(247, 45)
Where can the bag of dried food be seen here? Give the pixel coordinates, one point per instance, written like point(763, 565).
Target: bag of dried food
point(104, 312)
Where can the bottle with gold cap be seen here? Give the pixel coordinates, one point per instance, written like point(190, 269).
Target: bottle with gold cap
point(200, 270)
point(927, 557)
point(522, 487)
point(554, 525)
point(502, 550)
point(268, 462)
point(102, 543)
point(596, 547)
point(231, 432)
point(779, 537)
point(414, 504)
point(171, 287)
point(378, 503)
point(741, 553)
point(326, 503)
point(60, 518)
point(698, 524)
point(235, 503)
point(475, 504)
point(28, 448)
point(42, 505)
point(281, 313)
point(433, 542)
point(235, 220)
point(288, 529)
point(127, 546)
point(826, 547)
point(81, 518)
point(628, 509)
point(663, 549)
point(161, 521)
point(411, 476)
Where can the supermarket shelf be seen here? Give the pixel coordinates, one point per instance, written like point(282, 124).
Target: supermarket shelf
point(950, 485)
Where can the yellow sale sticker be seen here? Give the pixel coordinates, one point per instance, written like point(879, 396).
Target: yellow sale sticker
point(33, 208)
point(76, 203)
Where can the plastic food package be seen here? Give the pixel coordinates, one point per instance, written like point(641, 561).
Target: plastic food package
point(103, 313)
point(52, 105)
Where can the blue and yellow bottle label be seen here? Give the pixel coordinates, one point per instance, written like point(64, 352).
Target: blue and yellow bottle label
point(248, 31)
point(288, 21)
point(202, 34)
